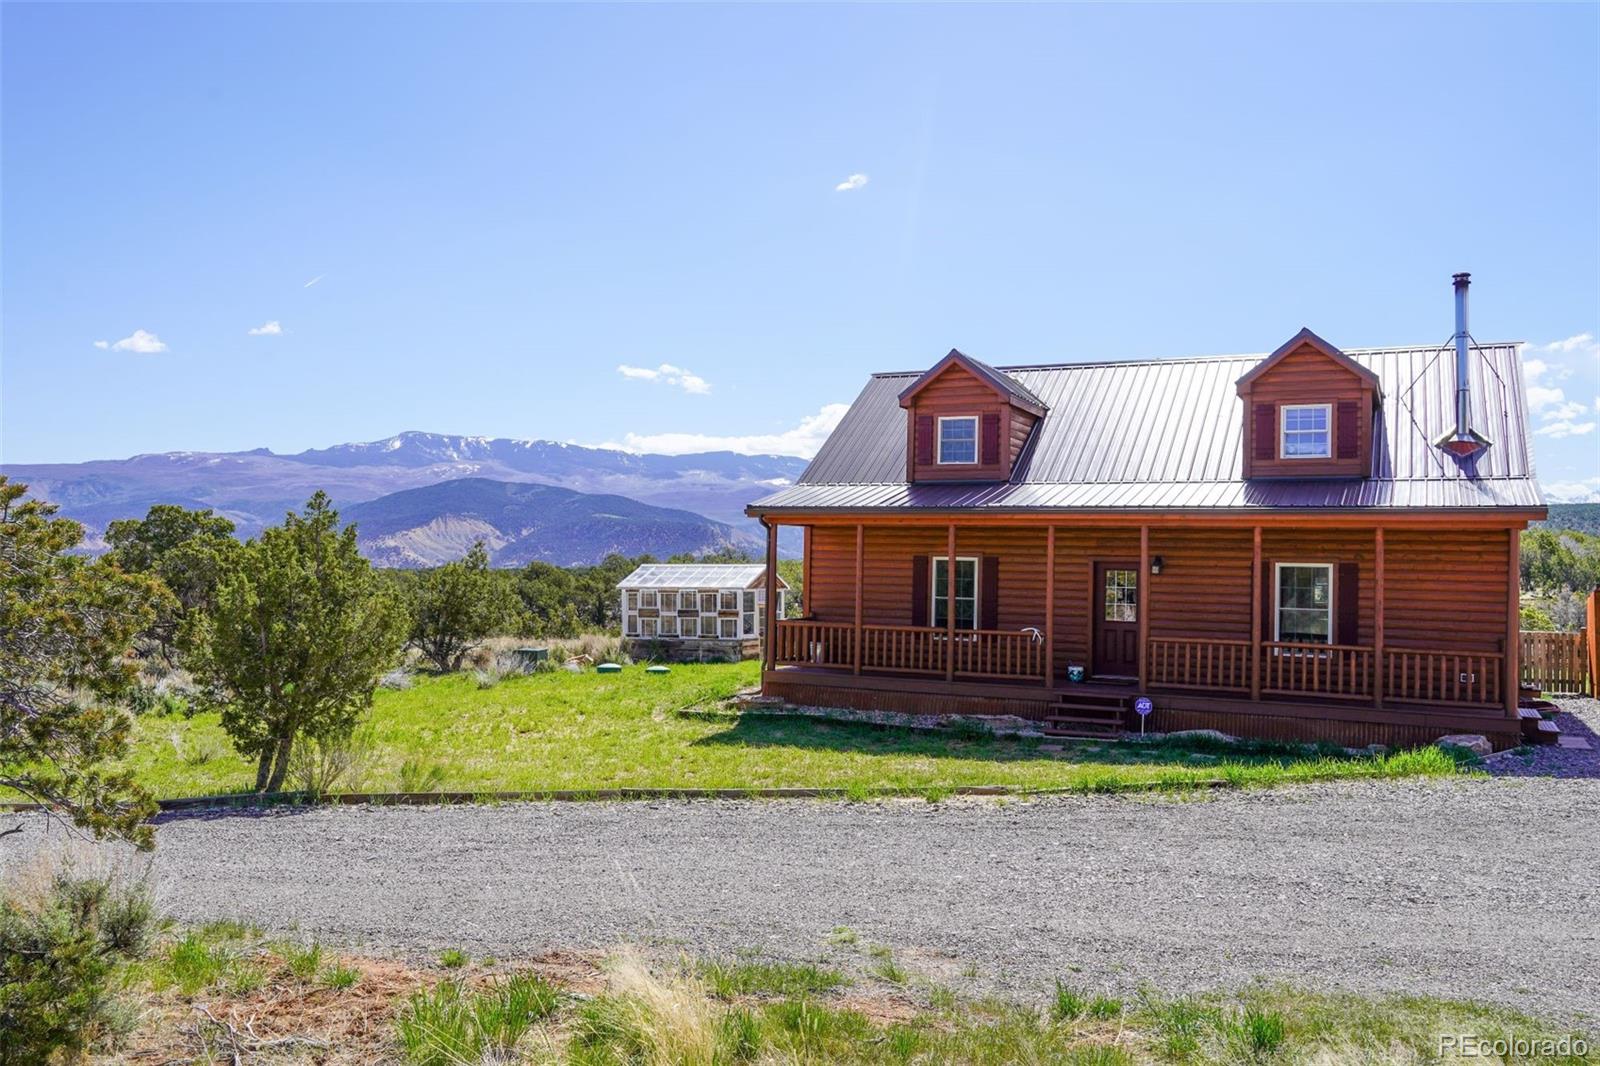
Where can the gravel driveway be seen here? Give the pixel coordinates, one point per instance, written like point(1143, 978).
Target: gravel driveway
point(1485, 889)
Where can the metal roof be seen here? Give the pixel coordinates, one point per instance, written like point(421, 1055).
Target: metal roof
point(696, 576)
point(1167, 435)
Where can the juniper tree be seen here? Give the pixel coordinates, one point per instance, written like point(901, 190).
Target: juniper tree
point(185, 549)
point(66, 624)
point(454, 606)
point(300, 630)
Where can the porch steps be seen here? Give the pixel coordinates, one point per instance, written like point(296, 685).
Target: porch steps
point(1536, 728)
point(1085, 716)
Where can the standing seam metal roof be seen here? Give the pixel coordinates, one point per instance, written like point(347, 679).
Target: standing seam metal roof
point(1168, 434)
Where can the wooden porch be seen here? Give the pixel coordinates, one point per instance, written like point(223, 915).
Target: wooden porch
point(1223, 667)
point(1026, 666)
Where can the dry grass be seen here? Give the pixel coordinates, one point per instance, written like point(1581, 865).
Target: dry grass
point(635, 1009)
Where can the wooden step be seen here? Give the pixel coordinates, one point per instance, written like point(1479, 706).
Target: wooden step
point(1084, 719)
point(1083, 732)
point(1529, 714)
point(1546, 732)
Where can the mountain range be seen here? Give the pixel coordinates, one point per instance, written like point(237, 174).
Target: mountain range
point(519, 523)
point(255, 488)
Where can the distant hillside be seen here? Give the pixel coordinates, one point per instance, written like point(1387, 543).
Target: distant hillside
point(520, 523)
point(255, 488)
point(1583, 517)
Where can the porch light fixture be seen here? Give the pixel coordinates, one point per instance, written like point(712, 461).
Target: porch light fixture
point(1156, 563)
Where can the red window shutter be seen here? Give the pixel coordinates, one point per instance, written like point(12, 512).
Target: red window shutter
point(920, 574)
point(1349, 429)
point(924, 438)
point(1347, 604)
point(989, 593)
point(1266, 431)
point(991, 439)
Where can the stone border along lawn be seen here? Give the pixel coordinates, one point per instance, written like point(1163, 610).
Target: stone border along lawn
point(554, 733)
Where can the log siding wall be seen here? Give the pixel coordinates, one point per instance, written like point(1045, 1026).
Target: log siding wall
point(957, 393)
point(1307, 376)
point(1443, 591)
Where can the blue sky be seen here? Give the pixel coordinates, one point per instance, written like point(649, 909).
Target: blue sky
point(293, 226)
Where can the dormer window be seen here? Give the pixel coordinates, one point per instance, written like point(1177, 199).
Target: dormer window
point(1307, 431)
point(958, 440)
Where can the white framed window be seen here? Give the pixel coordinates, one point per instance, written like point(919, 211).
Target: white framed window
point(966, 591)
point(730, 600)
point(647, 598)
point(633, 599)
point(708, 603)
point(750, 623)
point(708, 625)
point(1306, 431)
point(1302, 603)
point(647, 627)
point(749, 600)
point(669, 625)
point(958, 440)
point(688, 602)
point(730, 628)
point(632, 627)
point(1122, 596)
point(669, 599)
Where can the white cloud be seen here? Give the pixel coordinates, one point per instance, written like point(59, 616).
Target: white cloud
point(1543, 396)
point(139, 341)
point(313, 281)
point(1582, 342)
point(267, 329)
point(667, 374)
point(1566, 412)
point(1533, 369)
point(1565, 428)
point(803, 440)
point(1586, 490)
point(102, 345)
point(854, 181)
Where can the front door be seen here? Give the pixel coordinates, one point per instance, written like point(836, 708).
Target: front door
point(1116, 620)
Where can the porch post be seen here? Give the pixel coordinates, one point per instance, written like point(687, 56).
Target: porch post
point(950, 603)
point(1513, 682)
point(769, 652)
point(1144, 607)
point(861, 540)
point(805, 570)
point(1050, 607)
point(1377, 619)
point(1255, 614)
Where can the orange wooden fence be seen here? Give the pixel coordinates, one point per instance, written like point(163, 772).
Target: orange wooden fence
point(1556, 662)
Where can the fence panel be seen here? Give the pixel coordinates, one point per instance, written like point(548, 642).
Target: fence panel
point(1556, 662)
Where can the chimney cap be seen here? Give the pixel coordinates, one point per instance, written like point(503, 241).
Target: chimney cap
point(1461, 279)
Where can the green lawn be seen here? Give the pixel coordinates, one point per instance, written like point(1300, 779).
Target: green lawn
point(573, 731)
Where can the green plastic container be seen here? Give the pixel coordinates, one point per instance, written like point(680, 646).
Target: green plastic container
point(608, 668)
point(658, 669)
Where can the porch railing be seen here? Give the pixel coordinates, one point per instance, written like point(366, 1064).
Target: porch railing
point(1339, 670)
point(803, 643)
point(1442, 676)
point(994, 654)
point(1200, 664)
point(904, 649)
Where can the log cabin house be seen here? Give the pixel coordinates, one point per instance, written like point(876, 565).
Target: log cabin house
point(1313, 545)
